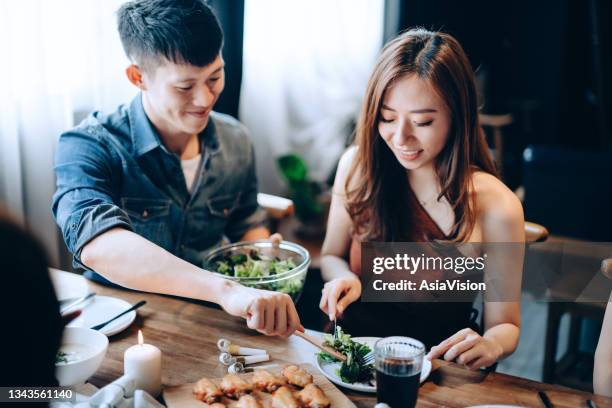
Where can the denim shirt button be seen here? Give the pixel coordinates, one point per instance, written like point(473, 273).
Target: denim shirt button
point(145, 214)
point(226, 211)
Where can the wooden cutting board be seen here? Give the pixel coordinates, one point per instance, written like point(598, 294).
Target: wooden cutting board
point(181, 396)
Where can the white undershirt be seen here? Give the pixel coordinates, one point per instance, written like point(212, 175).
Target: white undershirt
point(190, 169)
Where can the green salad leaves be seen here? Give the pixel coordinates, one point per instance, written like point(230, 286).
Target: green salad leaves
point(254, 264)
point(353, 369)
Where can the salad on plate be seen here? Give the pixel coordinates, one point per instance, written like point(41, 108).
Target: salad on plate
point(354, 369)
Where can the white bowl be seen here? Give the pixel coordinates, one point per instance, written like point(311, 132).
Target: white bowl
point(90, 348)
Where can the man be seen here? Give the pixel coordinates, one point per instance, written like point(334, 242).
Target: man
point(143, 193)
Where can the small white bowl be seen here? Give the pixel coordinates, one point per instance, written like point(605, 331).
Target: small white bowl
point(90, 347)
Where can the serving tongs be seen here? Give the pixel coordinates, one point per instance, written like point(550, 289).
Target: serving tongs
point(319, 344)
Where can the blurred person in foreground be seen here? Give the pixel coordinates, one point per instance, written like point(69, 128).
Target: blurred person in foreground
point(32, 326)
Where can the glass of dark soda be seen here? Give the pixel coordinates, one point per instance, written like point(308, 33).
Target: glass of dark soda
point(398, 370)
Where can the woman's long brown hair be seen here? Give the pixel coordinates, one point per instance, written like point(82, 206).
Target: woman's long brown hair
point(377, 187)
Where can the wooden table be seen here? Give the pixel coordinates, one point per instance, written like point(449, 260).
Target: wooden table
point(187, 334)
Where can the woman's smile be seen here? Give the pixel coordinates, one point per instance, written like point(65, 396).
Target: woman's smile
point(409, 153)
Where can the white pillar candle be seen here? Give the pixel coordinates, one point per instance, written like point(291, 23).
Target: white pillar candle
point(142, 362)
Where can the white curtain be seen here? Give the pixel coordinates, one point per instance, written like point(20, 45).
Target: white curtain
point(306, 65)
point(305, 68)
point(60, 60)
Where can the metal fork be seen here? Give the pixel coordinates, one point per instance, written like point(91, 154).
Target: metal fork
point(369, 358)
point(335, 330)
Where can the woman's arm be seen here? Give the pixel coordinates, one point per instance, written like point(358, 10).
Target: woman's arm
point(337, 236)
point(343, 286)
point(503, 226)
point(502, 223)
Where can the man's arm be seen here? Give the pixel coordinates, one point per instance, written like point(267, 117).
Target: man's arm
point(126, 258)
point(129, 260)
point(256, 233)
point(98, 233)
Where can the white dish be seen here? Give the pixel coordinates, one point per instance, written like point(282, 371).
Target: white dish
point(68, 285)
point(90, 348)
point(101, 309)
point(329, 369)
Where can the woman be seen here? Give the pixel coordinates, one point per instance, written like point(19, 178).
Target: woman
point(420, 171)
point(602, 373)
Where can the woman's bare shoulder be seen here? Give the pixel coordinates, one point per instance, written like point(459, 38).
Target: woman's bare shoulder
point(495, 202)
point(344, 168)
point(347, 158)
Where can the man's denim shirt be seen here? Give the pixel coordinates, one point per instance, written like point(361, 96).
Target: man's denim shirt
point(113, 171)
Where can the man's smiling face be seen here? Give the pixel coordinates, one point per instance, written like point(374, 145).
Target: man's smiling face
point(179, 97)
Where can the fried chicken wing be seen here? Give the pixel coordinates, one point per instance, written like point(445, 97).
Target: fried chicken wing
point(265, 381)
point(283, 398)
point(313, 397)
point(297, 376)
point(235, 386)
point(248, 401)
point(207, 391)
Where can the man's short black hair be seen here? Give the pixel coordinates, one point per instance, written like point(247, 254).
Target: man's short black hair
point(181, 31)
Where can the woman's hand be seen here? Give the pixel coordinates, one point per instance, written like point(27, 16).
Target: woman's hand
point(468, 348)
point(338, 294)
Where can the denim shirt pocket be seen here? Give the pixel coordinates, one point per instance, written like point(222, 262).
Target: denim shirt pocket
point(223, 206)
point(149, 217)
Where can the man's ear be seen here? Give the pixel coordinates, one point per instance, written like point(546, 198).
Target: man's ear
point(134, 75)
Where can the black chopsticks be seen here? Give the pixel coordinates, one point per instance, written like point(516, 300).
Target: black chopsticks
point(545, 399)
point(136, 306)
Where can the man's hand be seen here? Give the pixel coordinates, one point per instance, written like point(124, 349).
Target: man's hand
point(276, 239)
point(270, 313)
point(468, 348)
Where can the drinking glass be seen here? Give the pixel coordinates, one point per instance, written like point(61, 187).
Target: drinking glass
point(398, 370)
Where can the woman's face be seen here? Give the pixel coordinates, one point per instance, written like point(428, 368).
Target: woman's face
point(414, 122)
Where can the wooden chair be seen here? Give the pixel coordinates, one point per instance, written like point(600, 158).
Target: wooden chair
point(535, 232)
point(496, 123)
point(278, 208)
point(606, 267)
point(564, 370)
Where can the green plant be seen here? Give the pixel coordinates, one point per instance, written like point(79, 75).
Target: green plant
point(304, 192)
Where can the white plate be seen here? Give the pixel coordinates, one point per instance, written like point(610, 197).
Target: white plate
point(103, 308)
point(329, 369)
point(68, 285)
